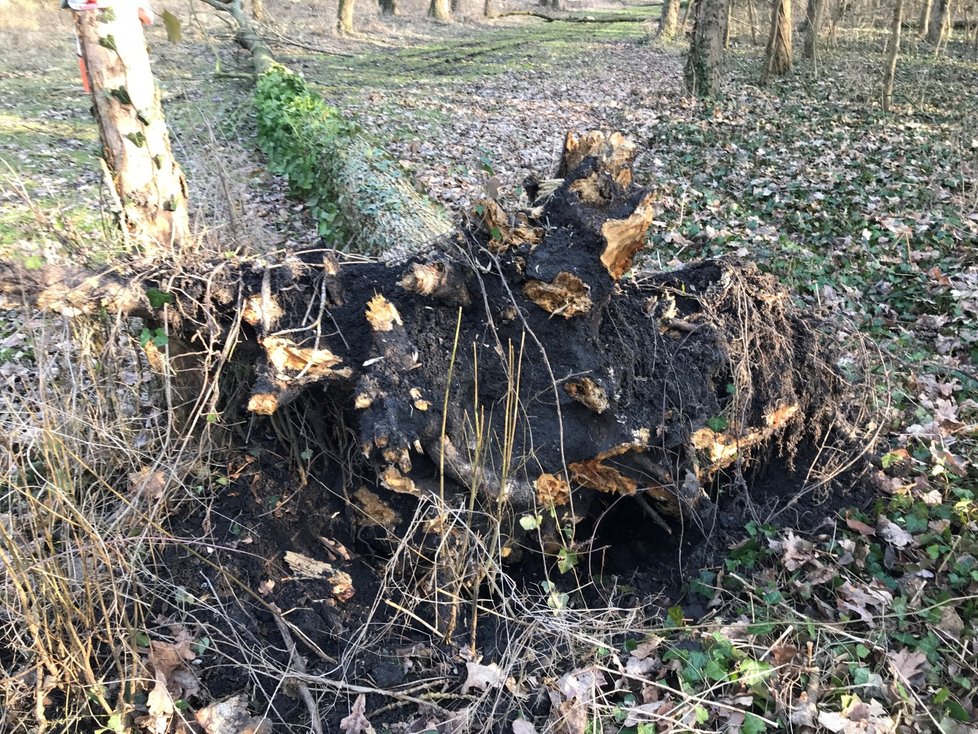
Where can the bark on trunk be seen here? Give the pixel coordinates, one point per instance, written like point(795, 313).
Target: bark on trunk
point(727, 23)
point(344, 17)
point(923, 25)
point(779, 52)
point(705, 56)
point(752, 16)
point(813, 27)
point(938, 14)
point(891, 55)
point(489, 9)
point(440, 10)
point(669, 20)
point(150, 186)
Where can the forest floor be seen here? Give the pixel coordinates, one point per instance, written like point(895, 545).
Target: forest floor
point(845, 619)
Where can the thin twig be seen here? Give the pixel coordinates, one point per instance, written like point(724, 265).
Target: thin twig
point(296, 661)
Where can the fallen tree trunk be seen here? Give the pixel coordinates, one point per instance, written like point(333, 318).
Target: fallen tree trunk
point(517, 361)
point(359, 197)
point(572, 18)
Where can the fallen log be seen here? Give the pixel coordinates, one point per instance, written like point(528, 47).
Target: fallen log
point(522, 361)
point(572, 18)
point(359, 197)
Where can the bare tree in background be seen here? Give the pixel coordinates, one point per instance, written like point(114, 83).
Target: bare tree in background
point(814, 14)
point(669, 20)
point(344, 17)
point(440, 10)
point(149, 184)
point(703, 62)
point(779, 51)
point(939, 20)
point(923, 25)
point(893, 49)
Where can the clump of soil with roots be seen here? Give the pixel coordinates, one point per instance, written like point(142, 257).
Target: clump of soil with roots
point(454, 476)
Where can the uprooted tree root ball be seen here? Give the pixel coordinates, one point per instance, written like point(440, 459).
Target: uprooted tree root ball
point(475, 418)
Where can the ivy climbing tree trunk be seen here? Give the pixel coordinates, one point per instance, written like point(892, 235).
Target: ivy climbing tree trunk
point(779, 51)
point(440, 10)
point(669, 20)
point(146, 178)
point(703, 63)
point(813, 26)
point(344, 17)
point(891, 55)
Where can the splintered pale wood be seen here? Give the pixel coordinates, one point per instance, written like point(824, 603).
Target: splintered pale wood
point(310, 362)
point(614, 151)
point(302, 566)
point(625, 237)
point(566, 295)
point(588, 393)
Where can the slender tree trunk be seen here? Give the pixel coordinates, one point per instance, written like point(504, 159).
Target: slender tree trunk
point(838, 13)
point(689, 6)
point(974, 46)
point(489, 9)
point(135, 143)
point(923, 25)
point(891, 56)
point(669, 20)
point(726, 24)
point(388, 7)
point(938, 13)
point(457, 6)
point(752, 16)
point(813, 27)
point(778, 61)
point(703, 63)
point(440, 10)
point(344, 17)
point(258, 10)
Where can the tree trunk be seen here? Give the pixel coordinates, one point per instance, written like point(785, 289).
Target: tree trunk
point(891, 55)
point(388, 7)
point(752, 15)
point(838, 14)
point(669, 20)
point(258, 10)
point(457, 6)
point(150, 186)
point(778, 57)
point(489, 9)
point(727, 23)
point(344, 17)
point(440, 10)
point(923, 25)
point(369, 205)
point(813, 27)
point(936, 29)
point(703, 62)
